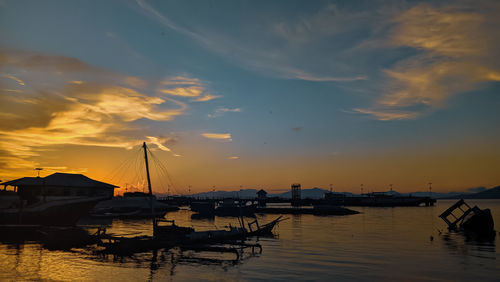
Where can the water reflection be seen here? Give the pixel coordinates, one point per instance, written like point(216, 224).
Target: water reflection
point(470, 244)
point(378, 244)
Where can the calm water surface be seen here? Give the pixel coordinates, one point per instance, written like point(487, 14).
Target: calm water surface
point(378, 244)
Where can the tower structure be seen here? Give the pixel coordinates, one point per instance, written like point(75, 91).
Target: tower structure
point(296, 194)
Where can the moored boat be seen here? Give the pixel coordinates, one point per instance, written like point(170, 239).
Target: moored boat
point(170, 234)
point(132, 205)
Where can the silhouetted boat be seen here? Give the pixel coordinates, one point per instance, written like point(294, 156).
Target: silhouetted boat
point(461, 216)
point(226, 207)
point(132, 205)
point(232, 207)
point(59, 199)
point(169, 235)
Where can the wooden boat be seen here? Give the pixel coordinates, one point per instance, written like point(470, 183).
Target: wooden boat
point(170, 234)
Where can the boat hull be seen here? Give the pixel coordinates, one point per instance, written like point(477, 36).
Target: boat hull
point(481, 222)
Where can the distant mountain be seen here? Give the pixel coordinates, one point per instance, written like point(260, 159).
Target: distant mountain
point(314, 193)
point(493, 193)
point(242, 193)
point(317, 193)
point(436, 195)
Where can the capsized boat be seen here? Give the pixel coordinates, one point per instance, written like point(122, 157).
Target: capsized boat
point(461, 216)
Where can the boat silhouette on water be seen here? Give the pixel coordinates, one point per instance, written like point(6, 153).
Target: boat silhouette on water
point(169, 234)
point(131, 205)
point(462, 217)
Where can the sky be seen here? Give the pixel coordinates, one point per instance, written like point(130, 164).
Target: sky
point(233, 95)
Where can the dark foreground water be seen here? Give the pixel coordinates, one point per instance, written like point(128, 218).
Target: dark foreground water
point(378, 244)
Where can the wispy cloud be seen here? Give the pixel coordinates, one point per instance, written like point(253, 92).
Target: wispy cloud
point(290, 49)
point(184, 92)
point(205, 98)
point(186, 87)
point(388, 114)
point(454, 48)
point(181, 80)
point(222, 110)
point(160, 142)
point(218, 136)
point(310, 77)
point(234, 158)
point(457, 53)
point(20, 82)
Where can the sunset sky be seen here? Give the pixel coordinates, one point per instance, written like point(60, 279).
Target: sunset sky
point(253, 94)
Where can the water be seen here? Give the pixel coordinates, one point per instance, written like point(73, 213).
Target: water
point(378, 244)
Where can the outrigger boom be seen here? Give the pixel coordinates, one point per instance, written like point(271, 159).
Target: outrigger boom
point(170, 235)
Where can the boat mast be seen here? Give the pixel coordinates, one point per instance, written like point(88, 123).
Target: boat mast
point(149, 182)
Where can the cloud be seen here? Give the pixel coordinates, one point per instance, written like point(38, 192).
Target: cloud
point(29, 60)
point(412, 57)
point(218, 136)
point(159, 143)
point(186, 87)
point(93, 107)
point(135, 82)
point(20, 82)
point(388, 114)
point(296, 129)
point(310, 77)
point(222, 110)
point(184, 92)
point(205, 98)
point(96, 119)
point(456, 48)
point(234, 158)
point(290, 48)
point(181, 80)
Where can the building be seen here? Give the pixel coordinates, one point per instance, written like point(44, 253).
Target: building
point(57, 199)
point(262, 197)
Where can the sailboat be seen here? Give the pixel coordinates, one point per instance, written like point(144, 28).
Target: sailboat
point(167, 234)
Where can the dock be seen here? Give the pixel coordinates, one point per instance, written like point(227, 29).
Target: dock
point(318, 210)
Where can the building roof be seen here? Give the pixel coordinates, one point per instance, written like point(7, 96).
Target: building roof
point(261, 192)
point(59, 179)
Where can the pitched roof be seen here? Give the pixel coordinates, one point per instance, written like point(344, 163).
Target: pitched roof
point(59, 179)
